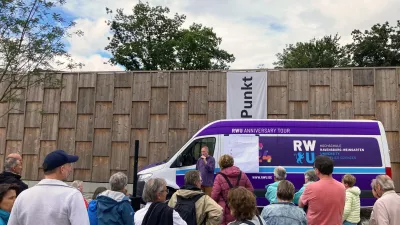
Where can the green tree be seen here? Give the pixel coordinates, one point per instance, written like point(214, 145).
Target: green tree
point(317, 53)
point(150, 40)
point(32, 43)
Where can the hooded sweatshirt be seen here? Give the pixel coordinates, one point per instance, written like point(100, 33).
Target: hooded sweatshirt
point(4, 216)
point(114, 208)
point(351, 211)
point(206, 208)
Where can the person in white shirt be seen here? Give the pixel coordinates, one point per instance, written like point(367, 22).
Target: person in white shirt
point(51, 201)
point(156, 211)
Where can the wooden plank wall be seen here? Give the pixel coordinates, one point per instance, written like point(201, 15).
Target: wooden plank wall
point(99, 115)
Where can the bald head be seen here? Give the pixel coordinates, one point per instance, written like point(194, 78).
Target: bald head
point(13, 163)
point(15, 156)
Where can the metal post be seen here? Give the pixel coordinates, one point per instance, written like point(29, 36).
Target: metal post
point(135, 168)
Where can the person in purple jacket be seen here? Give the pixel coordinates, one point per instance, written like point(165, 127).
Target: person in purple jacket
point(206, 165)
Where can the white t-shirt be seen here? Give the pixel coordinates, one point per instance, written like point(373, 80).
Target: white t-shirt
point(47, 203)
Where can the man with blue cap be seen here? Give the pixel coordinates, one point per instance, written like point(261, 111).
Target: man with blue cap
point(51, 201)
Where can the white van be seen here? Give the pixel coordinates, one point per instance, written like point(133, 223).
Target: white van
point(358, 147)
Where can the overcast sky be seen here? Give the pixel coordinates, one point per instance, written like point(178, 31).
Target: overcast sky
point(253, 30)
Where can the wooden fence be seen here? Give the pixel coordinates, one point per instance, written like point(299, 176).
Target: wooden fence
point(99, 115)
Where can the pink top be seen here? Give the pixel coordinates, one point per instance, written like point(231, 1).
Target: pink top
point(325, 199)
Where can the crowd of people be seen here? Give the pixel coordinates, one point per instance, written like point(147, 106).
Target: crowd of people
point(227, 198)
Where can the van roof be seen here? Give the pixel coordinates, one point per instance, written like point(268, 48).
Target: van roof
point(291, 126)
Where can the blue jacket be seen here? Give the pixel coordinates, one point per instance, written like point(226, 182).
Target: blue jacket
point(283, 213)
point(114, 208)
point(92, 212)
point(271, 192)
point(4, 216)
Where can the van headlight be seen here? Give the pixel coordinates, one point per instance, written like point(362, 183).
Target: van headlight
point(145, 177)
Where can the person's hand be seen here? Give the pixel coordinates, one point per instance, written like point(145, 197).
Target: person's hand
point(203, 157)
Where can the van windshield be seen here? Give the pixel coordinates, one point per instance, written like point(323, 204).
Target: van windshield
point(192, 153)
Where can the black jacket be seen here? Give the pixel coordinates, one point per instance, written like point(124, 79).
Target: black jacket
point(12, 178)
point(158, 214)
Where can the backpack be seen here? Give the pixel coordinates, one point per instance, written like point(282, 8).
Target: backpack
point(230, 184)
point(186, 207)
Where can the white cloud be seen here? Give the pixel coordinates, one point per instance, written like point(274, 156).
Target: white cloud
point(244, 25)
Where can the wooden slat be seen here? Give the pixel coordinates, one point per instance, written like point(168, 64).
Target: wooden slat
point(2, 141)
point(84, 151)
point(178, 115)
point(363, 117)
point(13, 147)
point(342, 86)
point(142, 162)
point(299, 110)
point(104, 113)
point(277, 78)
point(320, 117)
point(105, 87)
point(121, 128)
point(84, 128)
point(2, 161)
point(198, 79)
point(101, 169)
point(159, 101)
point(15, 128)
point(396, 176)
point(83, 175)
point(364, 100)
point(30, 163)
point(158, 128)
point(179, 86)
point(342, 110)
point(217, 86)
point(386, 85)
point(277, 116)
point(141, 89)
point(393, 142)
point(69, 87)
point(87, 80)
point(177, 138)
point(49, 127)
point(52, 80)
point(17, 105)
point(45, 148)
point(363, 77)
point(388, 114)
point(67, 115)
point(216, 111)
point(140, 114)
point(123, 79)
point(277, 100)
point(33, 114)
point(3, 114)
point(102, 142)
point(86, 101)
point(120, 156)
point(298, 86)
point(51, 101)
point(159, 79)
point(35, 93)
point(66, 140)
point(31, 141)
point(320, 77)
point(198, 103)
point(196, 122)
point(143, 136)
point(122, 100)
point(320, 102)
point(158, 152)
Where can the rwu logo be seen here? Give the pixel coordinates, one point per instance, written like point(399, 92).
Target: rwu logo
point(309, 154)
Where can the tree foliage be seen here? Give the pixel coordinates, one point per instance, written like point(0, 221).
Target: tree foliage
point(378, 46)
point(32, 39)
point(149, 39)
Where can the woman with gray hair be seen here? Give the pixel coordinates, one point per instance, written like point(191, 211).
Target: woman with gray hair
point(386, 208)
point(279, 175)
point(309, 177)
point(156, 211)
point(113, 206)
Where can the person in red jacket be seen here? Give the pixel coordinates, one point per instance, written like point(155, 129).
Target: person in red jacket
point(230, 176)
point(78, 184)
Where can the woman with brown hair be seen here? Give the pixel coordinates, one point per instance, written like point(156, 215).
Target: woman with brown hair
point(243, 207)
point(8, 194)
point(229, 177)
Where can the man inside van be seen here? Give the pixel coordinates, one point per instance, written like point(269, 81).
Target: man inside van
point(323, 208)
point(206, 165)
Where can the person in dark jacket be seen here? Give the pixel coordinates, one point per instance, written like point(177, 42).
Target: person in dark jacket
point(12, 172)
point(92, 208)
point(113, 206)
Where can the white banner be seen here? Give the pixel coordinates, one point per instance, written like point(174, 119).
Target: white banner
point(244, 150)
point(247, 95)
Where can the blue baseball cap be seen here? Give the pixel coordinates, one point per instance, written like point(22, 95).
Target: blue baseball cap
point(58, 158)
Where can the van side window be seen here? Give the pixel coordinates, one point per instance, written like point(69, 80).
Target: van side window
point(192, 153)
